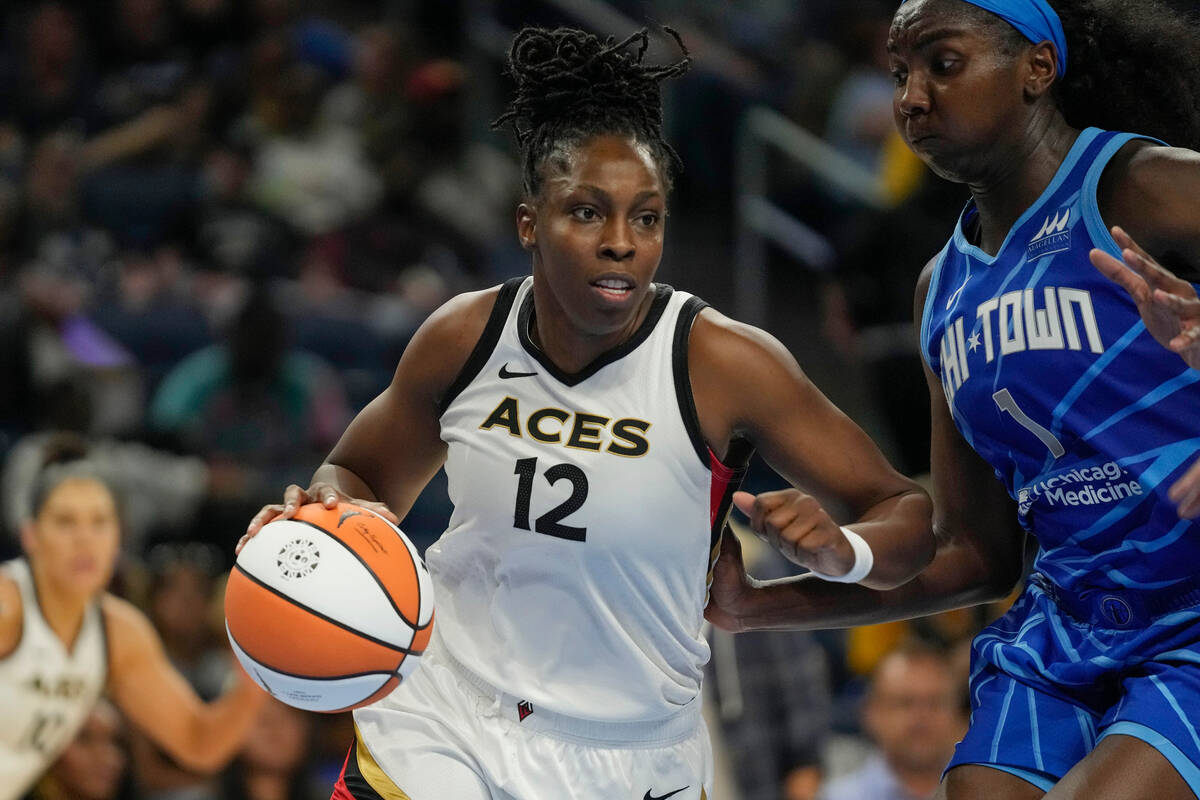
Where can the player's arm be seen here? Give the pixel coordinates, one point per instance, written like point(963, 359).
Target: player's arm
point(10, 616)
point(393, 447)
point(746, 384)
point(156, 698)
point(979, 557)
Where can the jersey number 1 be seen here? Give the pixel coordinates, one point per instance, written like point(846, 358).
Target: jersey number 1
point(1005, 401)
point(549, 523)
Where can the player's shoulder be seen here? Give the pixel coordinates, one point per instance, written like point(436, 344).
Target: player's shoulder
point(128, 630)
point(11, 614)
point(924, 281)
point(1150, 190)
point(724, 352)
point(457, 325)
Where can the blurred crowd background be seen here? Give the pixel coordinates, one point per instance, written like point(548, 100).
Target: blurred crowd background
point(221, 221)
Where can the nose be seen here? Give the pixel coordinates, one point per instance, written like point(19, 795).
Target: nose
point(617, 244)
point(913, 98)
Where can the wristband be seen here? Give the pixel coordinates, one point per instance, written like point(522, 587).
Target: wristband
point(864, 560)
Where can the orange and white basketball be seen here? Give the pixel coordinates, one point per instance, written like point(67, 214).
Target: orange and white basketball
point(331, 609)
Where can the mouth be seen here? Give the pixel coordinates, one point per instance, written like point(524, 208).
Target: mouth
point(614, 288)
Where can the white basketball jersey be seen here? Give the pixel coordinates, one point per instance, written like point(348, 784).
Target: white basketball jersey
point(587, 509)
point(46, 690)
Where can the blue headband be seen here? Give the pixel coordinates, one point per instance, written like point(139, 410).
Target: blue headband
point(1035, 20)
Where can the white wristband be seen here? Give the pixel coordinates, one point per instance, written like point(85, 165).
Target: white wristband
point(864, 560)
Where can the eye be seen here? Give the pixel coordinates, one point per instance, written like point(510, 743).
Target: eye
point(899, 76)
point(648, 219)
point(584, 213)
point(943, 65)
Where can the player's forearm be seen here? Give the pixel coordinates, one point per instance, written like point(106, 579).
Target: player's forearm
point(900, 533)
point(220, 727)
point(345, 480)
point(954, 579)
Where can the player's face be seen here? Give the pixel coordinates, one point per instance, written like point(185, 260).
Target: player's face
point(596, 231)
point(75, 537)
point(958, 95)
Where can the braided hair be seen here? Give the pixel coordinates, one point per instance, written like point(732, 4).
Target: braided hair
point(1112, 81)
point(572, 86)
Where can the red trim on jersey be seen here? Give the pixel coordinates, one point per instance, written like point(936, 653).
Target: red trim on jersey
point(723, 478)
point(340, 790)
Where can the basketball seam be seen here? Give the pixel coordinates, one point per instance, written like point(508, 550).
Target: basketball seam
point(398, 648)
point(298, 676)
point(411, 623)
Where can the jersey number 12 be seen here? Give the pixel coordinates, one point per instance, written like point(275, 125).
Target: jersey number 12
point(550, 522)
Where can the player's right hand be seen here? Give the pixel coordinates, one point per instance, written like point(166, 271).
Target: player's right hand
point(293, 497)
point(796, 525)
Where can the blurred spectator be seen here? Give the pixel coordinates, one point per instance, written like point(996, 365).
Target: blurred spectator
point(913, 713)
point(182, 603)
point(860, 119)
point(313, 176)
point(274, 762)
point(260, 412)
point(93, 767)
point(772, 696)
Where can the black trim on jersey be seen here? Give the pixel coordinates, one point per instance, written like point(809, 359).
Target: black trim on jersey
point(486, 344)
point(683, 382)
point(353, 778)
point(662, 294)
point(737, 458)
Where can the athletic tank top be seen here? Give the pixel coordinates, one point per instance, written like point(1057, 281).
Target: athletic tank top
point(1052, 377)
point(587, 512)
point(46, 690)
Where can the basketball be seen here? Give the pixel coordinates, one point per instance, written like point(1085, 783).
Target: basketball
point(329, 610)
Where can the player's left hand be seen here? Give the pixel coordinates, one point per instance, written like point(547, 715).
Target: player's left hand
point(1168, 305)
point(796, 525)
point(730, 586)
point(1185, 493)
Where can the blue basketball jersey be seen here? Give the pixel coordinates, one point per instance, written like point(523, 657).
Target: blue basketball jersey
point(1053, 379)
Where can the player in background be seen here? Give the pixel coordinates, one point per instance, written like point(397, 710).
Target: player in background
point(1043, 374)
point(593, 425)
point(64, 641)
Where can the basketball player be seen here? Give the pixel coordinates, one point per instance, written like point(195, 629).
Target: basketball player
point(1043, 375)
point(63, 641)
point(593, 425)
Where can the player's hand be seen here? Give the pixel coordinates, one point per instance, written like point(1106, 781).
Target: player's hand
point(1168, 305)
point(1185, 493)
point(293, 497)
point(730, 586)
point(795, 524)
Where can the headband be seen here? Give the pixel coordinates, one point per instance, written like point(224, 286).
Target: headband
point(1034, 19)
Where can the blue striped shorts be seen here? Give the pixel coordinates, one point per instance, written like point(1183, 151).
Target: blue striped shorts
point(1048, 681)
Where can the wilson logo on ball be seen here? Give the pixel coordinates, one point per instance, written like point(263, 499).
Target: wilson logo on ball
point(298, 558)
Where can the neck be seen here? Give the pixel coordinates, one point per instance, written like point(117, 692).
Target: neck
point(62, 610)
point(570, 348)
point(1019, 178)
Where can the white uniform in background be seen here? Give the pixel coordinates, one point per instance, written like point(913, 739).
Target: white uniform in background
point(46, 689)
point(567, 652)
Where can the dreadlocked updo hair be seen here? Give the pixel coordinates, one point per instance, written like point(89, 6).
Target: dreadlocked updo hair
point(573, 85)
point(1131, 65)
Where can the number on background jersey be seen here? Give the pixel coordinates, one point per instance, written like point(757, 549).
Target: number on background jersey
point(43, 731)
point(549, 523)
point(1005, 401)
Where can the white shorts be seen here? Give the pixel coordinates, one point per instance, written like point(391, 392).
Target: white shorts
point(446, 735)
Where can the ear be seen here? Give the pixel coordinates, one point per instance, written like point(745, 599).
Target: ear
point(527, 226)
point(1041, 70)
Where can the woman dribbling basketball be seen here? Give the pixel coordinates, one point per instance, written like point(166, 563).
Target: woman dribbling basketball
point(593, 425)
